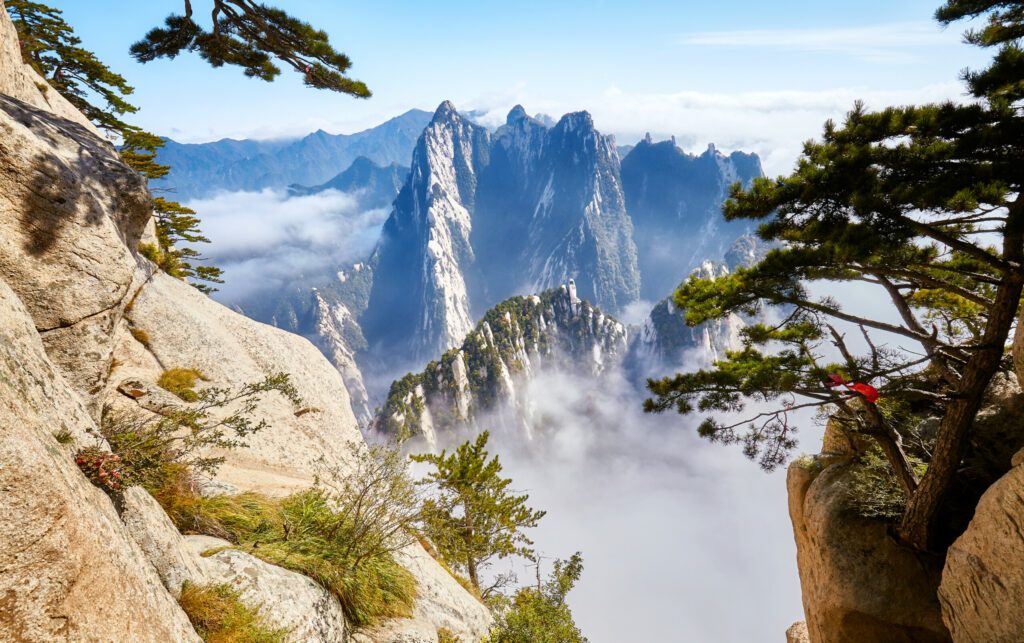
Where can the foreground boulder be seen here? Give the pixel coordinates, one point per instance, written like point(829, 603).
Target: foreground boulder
point(858, 583)
point(292, 601)
point(70, 570)
point(982, 588)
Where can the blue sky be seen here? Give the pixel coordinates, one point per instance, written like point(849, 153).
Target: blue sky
point(742, 73)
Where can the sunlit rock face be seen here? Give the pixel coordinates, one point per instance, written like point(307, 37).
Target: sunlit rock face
point(484, 216)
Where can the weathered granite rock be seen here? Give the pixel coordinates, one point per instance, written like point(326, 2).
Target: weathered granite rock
point(159, 539)
point(290, 600)
point(187, 329)
point(69, 570)
point(69, 212)
point(982, 586)
point(858, 583)
point(442, 602)
point(797, 633)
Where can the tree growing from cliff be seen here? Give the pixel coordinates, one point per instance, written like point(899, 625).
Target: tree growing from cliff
point(474, 516)
point(252, 35)
point(540, 614)
point(922, 203)
point(50, 46)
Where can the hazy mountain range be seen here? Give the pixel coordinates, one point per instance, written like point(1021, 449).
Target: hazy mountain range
point(203, 169)
point(478, 216)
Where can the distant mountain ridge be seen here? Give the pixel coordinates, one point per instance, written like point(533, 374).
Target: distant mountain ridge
point(674, 200)
point(373, 184)
point(483, 215)
point(203, 169)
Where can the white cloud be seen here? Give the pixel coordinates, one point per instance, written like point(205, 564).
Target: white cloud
point(689, 541)
point(773, 124)
point(264, 239)
point(883, 43)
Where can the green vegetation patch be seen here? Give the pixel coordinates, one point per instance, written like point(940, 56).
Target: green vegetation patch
point(181, 382)
point(219, 615)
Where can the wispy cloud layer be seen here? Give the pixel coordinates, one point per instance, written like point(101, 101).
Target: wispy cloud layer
point(263, 240)
point(884, 43)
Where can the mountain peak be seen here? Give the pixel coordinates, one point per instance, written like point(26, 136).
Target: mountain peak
point(577, 121)
point(445, 112)
point(518, 113)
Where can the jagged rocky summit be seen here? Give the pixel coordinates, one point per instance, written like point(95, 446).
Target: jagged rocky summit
point(674, 200)
point(488, 373)
point(665, 343)
point(483, 217)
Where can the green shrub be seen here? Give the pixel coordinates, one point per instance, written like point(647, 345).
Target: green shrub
point(541, 615)
point(64, 436)
point(219, 615)
point(875, 491)
point(159, 452)
point(181, 382)
point(444, 635)
point(152, 252)
point(344, 533)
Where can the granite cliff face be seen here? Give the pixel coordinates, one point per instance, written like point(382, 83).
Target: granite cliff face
point(547, 199)
point(86, 322)
point(860, 584)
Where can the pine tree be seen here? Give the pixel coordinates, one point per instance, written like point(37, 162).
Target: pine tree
point(909, 200)
point(475, 517)
point(251, 35)
point(541, 614)
point(50, 46)
point(176, 225)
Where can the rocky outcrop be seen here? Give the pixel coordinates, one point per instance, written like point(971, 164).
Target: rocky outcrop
point(69, 570)
point(156, 535)
point(858, 583)
point(983, 581)
point(488, 373)
point(185, 329)
point(290, 600)
point(442, 605)
point(69, 212)
point(797, 633)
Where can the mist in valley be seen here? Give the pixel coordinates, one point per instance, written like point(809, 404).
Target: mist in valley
point(682, 540)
